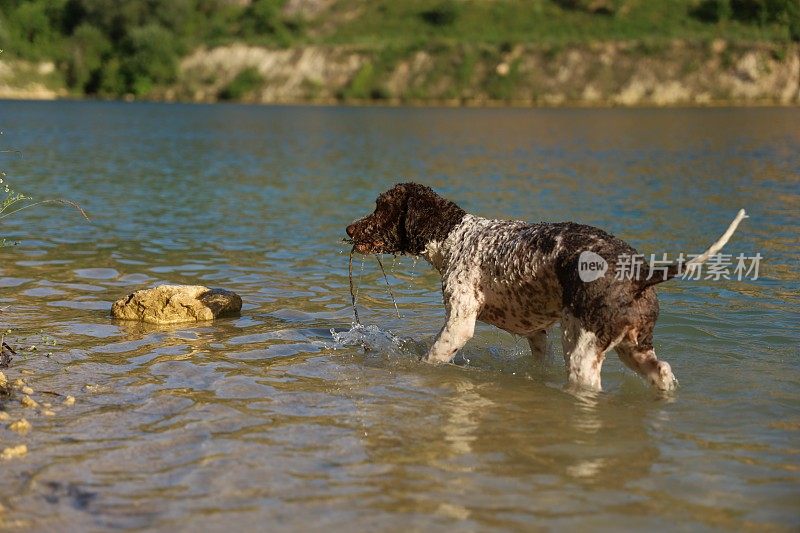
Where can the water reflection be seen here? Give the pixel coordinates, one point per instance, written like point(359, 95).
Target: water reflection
point(429, 462)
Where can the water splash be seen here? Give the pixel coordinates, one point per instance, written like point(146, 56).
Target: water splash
point(371, 338)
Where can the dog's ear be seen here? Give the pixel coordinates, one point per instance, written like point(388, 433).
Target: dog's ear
point(427, 217)
point(390, 215)
point(401, 193)
point(417, 205)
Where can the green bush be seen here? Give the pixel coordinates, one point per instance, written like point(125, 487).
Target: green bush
point(595, 7)
point(32, 31)
point(793, 19)
point(756, 11)
point(109, 81)
point(244, 84)
point(263, 20)
point(88, 48)
point(444, 14)
point(765, 12)
point(362, 84)
point(711, 11)
point(262, 16)
point(149, 58)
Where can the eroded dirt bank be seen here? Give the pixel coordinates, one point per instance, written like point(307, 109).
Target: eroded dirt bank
point(600, 74)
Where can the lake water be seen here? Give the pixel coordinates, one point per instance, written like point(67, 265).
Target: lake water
point(265, 421)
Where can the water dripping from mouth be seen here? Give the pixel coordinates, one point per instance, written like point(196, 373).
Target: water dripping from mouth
point(352, 290)
point(388, 287)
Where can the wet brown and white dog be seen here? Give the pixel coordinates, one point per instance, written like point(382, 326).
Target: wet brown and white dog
point(524, 277)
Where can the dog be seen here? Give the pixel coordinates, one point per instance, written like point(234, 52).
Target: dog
point(524, 278)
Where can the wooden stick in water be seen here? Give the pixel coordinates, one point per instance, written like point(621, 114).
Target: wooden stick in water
point(388, 287)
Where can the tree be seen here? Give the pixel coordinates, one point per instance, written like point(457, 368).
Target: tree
point(87, 51)
point(149, 58)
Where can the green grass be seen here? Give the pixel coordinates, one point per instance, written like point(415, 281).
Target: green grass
point(538, 21)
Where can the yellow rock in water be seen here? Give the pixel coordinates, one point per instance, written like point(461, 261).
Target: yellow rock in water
point(69, 400)
point(172, 304)
point(21, 426)
point(14, 451)
point(27, 401)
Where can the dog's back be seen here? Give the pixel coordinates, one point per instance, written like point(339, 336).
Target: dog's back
point(522, 273)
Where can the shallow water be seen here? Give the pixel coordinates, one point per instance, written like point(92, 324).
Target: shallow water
point(268, 421)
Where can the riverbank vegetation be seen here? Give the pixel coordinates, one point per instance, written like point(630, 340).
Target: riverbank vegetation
point(116, 48)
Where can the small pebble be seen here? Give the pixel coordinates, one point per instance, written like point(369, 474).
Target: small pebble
point(14, 451)
point(21, 426)
point(48, 405)
point(26, 390)
point(4, 416)
point(3, 381)
point(48, 412)
point(69, 400)
point(18, 383)
point(27, 401)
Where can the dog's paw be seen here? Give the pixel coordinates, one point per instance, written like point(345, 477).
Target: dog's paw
point(665, 379)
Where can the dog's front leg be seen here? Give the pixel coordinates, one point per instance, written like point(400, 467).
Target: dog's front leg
point(458, 329)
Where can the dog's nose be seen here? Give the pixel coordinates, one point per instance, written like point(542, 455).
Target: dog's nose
point(350, 230)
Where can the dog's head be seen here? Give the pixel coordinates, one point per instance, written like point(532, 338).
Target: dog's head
point(406, 218)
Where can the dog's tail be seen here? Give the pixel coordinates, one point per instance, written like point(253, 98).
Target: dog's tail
point(657, 275)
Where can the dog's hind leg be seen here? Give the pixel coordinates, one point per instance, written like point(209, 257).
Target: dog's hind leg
point(538, 344)
point(583, 354)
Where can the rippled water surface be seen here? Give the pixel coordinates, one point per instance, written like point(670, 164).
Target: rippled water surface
point(266, 421)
